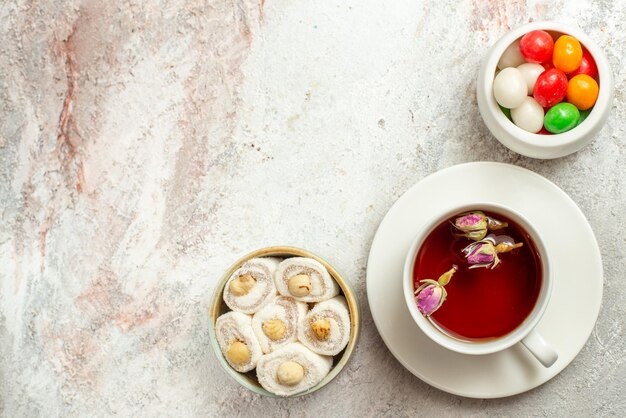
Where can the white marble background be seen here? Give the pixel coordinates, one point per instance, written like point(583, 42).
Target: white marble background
point(145, 145)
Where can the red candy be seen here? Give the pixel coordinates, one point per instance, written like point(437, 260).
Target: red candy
point(537, 46)
point(544, 131)
point(550, 88)
point(587, 66)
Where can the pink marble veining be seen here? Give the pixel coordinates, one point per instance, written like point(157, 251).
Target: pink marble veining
point(145, 145)
point(123, 117)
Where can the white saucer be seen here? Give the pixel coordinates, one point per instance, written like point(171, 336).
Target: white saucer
point(576, 296)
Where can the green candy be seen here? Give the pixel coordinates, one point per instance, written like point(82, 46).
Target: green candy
point(561, 118)
point(506, 111)
point(583, 115)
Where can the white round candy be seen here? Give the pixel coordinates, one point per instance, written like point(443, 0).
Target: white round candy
point(530, 72)
point(529, 115)
point(509, 88)
point(512, 57)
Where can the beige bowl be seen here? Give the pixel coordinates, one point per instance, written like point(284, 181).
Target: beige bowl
point(218, 307)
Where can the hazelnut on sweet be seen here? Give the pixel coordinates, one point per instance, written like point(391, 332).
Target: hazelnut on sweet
point(321, 329)
point(275, 329)
point(290, 373)
point(238, 353)
point(242, 285)
point(299, 285)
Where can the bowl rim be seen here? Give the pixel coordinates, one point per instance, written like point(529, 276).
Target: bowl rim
point(595, 117)
point(286, 252)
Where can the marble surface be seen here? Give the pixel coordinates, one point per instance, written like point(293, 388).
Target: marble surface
point(145, 145)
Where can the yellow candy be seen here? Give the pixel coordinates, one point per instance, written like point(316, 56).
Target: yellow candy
point(582, 91)
point(568, 54)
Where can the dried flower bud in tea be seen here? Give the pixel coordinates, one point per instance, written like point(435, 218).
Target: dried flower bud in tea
point(484, 253)
point(431, 294)
point(475, 225)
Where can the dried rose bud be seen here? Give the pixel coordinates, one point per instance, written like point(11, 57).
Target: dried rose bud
point(474, 225)
point(429, 298)
point(431, 294)
point(485, 253)
point(481, 254)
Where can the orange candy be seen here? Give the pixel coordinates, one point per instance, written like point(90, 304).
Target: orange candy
point(568, 54)
point(582, 91)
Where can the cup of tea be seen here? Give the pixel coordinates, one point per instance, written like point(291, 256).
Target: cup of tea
point(489, 283)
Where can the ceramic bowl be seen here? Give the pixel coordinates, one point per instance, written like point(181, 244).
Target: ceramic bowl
point(535, 145)
point(218, 307)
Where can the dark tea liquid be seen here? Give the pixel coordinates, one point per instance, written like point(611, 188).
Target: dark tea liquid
point(482, 304)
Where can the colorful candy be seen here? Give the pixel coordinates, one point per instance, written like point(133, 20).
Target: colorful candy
point(582, 91)
point(568, 54)
point(561, 118)
point(507, 112)
point(536, 46)
point(529, 115)
point(530, 72)
point(531, 83)
point(509, 88)
point(587, 66)
point(550, 88)
point(544, 131)
point(583, 115)
point(512, 57)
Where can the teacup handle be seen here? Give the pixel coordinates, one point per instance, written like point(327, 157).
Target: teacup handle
point(539, 348)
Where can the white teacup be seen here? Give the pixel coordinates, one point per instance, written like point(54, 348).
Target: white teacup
point(525, 332)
